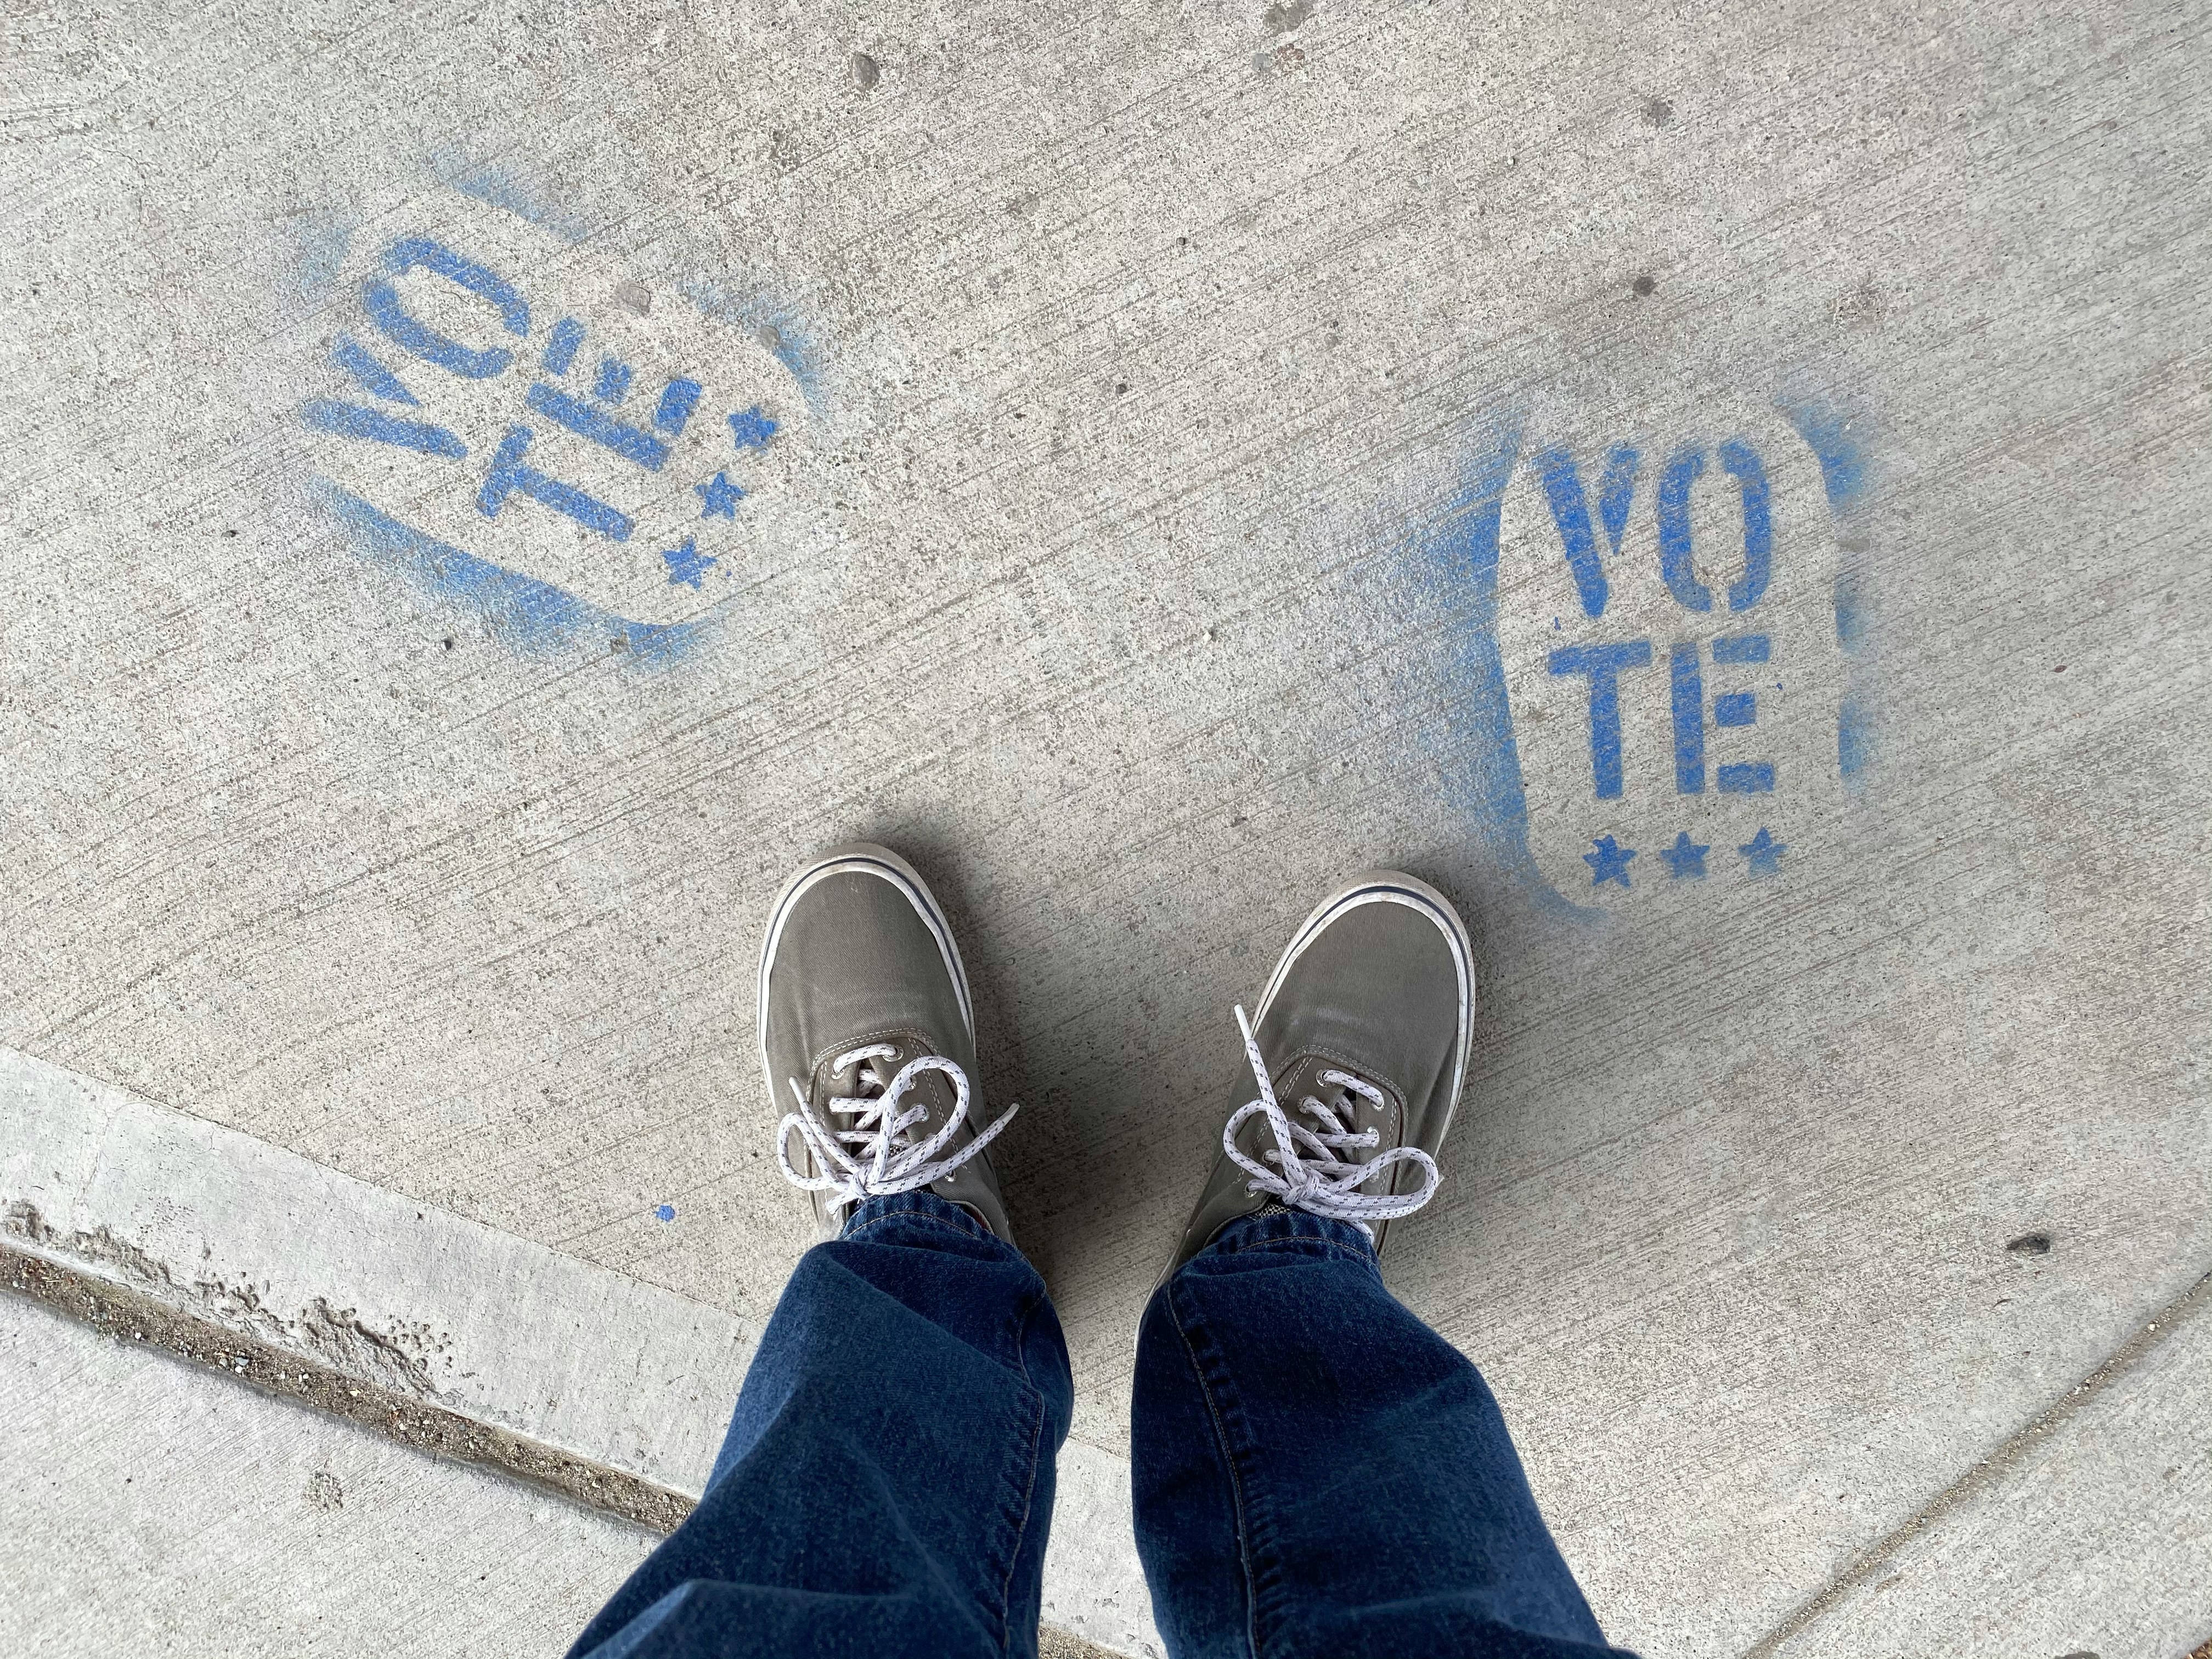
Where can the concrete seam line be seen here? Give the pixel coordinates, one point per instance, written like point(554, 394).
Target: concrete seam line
point(132, 1317)
point(1996, 1467)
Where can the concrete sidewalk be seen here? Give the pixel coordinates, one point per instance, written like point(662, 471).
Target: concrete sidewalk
point(1717, 494)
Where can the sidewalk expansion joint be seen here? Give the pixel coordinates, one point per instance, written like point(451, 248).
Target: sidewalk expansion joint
point(1998, 1465)
point(128, 1315)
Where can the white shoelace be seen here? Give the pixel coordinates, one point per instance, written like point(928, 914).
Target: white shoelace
point(877, 1153)
point(1315, 1179)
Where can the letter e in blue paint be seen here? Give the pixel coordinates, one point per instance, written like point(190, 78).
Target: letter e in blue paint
point(1740, 709)
point(1603, 664)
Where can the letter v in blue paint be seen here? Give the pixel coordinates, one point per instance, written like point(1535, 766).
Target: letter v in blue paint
point(1603, 664)
point(350, 355)
point(1563, 489)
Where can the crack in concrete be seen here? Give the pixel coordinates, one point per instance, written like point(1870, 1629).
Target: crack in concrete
point(1986, 1473)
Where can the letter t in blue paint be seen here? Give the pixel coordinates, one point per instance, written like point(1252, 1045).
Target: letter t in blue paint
point(1603, 664)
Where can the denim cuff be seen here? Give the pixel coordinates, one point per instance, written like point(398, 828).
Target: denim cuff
point(1295, 1233)
point(921, 1206)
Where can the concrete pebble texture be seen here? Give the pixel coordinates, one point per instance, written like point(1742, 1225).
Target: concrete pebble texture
point(152, 1508)
point(1155, 526)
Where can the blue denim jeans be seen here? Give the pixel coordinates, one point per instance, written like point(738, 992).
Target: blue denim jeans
point(1316, 1472)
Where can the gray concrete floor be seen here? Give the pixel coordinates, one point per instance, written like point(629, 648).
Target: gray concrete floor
point(152, 1508)
point(1142, 382)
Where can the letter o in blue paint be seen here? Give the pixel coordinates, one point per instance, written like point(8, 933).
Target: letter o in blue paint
point(1683, 468)
point(404, 330)
point(1741, 462)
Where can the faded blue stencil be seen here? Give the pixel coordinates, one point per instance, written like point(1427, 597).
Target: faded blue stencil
point(1763, 854)
point(359, 421)
point(1741, 648)
point(1563, 491)
point(1683, 469)
point(508, 476)
point(687, 564)
point(1609, 862)
point(601, 428)
point(527, 612)
point(1685, 859)
point(1837, 441)
point(1741, 462)
point(530, 616)
point(752, 429)
point(720, 496)
point(1602, 665)
point(1686, 705)
point(350, 355)
point(510, 188)
point(1451, 555)
point(673, 412)
point(403, 330)
point(1746, 778)
point(561, 346)
point(613, 384)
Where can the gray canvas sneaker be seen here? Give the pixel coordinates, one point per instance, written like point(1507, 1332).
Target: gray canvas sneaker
point(868, 1037)
point(1352, 1064)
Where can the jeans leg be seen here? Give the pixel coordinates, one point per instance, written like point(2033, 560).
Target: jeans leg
point(1317, 1473)
point(887, 1481)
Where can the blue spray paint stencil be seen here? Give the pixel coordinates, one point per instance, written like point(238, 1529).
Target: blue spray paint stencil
point(1666, 651)
point(548, 441)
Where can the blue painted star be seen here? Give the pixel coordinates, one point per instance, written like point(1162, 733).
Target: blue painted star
point(720, 496)
point(1764, 852)
point(687, 564)
point(1684, 858)
point(1609, 862)
point(751, 428)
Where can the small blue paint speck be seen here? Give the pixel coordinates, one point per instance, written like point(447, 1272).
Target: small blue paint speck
point(665, 1213)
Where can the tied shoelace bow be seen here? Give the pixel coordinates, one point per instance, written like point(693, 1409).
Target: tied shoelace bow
point(877, 1154)
point(1309, 1175)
